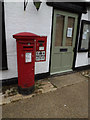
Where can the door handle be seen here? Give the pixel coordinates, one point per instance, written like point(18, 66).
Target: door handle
point(73, 49)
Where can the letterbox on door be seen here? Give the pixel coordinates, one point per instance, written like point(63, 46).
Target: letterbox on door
point(26, 61)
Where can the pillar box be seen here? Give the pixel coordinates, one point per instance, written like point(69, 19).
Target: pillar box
point(26, 61)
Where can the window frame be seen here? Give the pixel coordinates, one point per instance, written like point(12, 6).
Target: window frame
point(80, 39)
point(4, 65)
point(89, 50)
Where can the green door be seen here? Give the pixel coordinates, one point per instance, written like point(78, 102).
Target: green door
point(63, 41)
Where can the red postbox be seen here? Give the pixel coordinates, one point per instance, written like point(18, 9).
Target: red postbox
point(26, 61)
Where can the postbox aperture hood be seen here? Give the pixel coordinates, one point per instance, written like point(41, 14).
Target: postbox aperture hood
point(25, 35)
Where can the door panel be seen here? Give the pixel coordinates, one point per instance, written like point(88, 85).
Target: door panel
point(63, 42)
point(56, 63)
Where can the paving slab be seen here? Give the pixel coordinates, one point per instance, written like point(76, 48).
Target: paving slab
point(65, 80)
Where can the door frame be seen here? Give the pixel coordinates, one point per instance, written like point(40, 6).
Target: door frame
point(76, 41)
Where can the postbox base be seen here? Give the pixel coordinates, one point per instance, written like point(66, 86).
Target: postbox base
point(26, 91)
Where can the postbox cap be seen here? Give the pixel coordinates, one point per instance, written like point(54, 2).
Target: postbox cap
point(25, 35)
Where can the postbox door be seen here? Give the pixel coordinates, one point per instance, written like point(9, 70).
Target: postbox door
point(27, 61)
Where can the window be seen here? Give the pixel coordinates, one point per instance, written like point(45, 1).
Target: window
point(84, 37)
point(59, 29)
point(70, 29)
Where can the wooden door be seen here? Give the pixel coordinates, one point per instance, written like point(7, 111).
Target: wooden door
point(63, 42)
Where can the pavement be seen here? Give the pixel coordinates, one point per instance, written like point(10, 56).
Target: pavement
point(10, 93)
point(69, 100)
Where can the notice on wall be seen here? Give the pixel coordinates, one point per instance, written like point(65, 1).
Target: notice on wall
point(84, 36)
point(69, 32)
point(28, 57)
point(40, 55)
point(87, 30)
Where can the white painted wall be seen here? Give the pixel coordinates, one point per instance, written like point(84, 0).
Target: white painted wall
point(17, 20)
point(82, 57)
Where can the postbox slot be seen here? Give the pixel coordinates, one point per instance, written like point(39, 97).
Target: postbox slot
point(40, 41)
point(30, 48)
point(27, 46)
